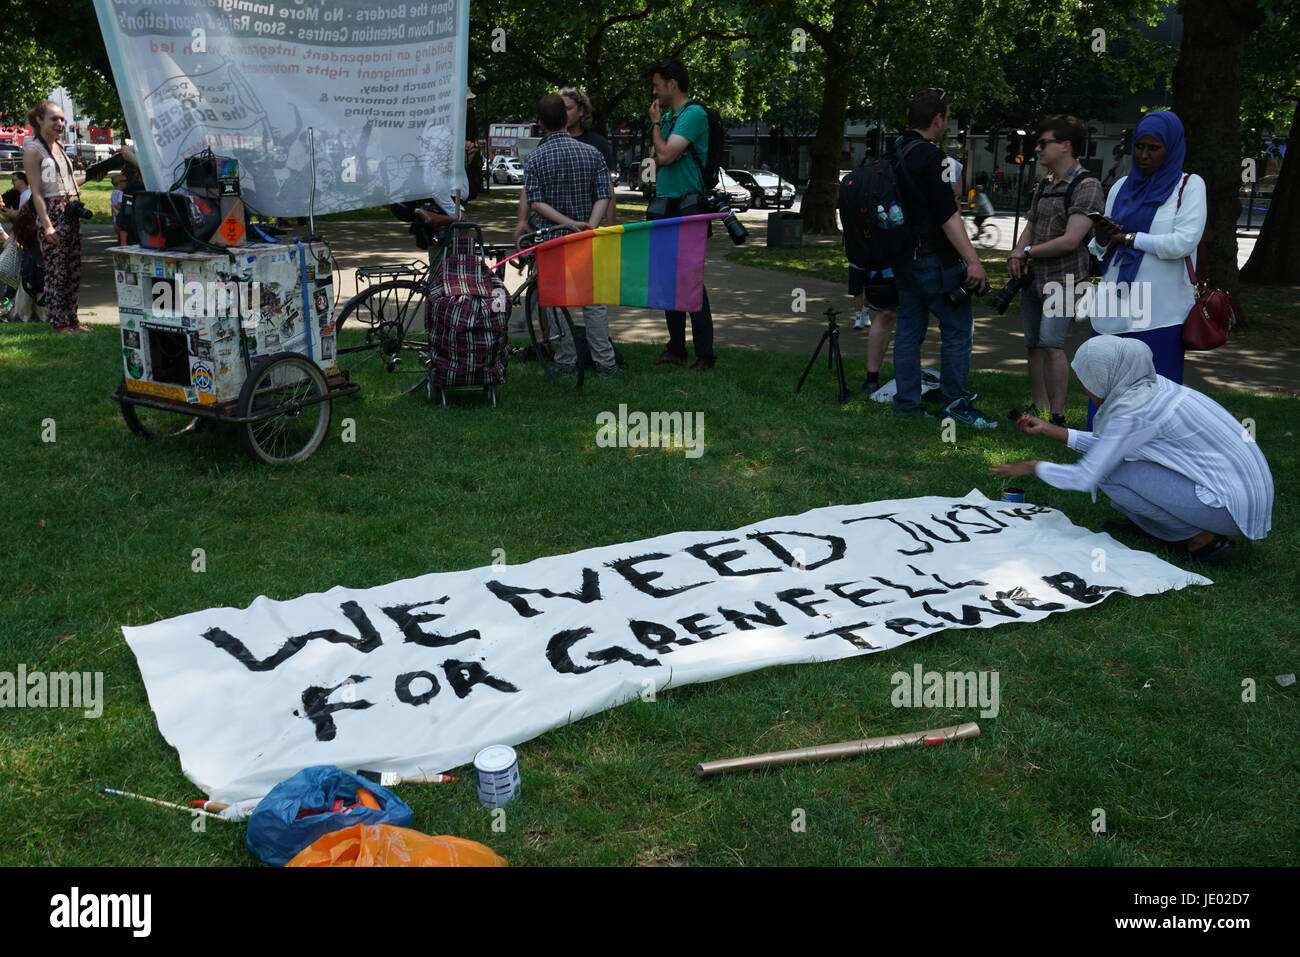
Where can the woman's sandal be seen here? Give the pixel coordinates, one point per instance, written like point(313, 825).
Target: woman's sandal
point(1215, 550)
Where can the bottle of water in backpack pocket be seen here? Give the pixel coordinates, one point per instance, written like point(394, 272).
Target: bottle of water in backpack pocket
point(882, 217)
point(895, 215)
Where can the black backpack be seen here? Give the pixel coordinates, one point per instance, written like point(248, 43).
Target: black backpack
point(864, 193)
point(1094, 264)
point(712, 163)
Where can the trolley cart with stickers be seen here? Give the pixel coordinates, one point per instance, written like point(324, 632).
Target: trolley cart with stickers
point(245, 337)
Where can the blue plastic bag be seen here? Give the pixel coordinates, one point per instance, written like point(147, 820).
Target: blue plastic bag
point(276, 833)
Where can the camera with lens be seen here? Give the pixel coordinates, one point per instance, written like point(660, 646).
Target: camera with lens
point(77, 208)
point(716, 202)
point(1002, 300)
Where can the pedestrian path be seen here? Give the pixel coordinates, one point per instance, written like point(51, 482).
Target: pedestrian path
point(753, 308)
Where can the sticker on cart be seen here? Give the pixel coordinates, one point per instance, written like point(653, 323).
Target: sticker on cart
point(134, 364)
point(201, 376)
point(326, 348)
point(128, 291)
point(130, 338)
point(270, 340)
point(200, 347)
point(191, 396)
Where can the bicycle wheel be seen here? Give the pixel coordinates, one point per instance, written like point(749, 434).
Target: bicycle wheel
point(391, 317)
point(282, 387)
point(151, 423)
point(989, 236)
point(551, 332)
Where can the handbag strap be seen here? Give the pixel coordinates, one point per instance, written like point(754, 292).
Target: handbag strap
point(1200, 246)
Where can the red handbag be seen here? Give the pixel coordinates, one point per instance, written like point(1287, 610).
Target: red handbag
point(1214, 313)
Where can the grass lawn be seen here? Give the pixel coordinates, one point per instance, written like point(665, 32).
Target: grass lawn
point(1268, 311)
point(1133, 706)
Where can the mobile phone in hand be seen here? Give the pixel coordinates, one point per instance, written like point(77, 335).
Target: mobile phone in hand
point(1098, 217)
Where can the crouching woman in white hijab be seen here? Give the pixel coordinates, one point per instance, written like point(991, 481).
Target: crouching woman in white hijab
point(1172, 460)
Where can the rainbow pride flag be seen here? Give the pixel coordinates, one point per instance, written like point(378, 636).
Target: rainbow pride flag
point(652, 265)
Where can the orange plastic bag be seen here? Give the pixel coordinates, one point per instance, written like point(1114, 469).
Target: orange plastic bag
point(383, 845)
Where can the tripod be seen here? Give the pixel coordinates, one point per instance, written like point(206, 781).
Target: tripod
point(833, 358)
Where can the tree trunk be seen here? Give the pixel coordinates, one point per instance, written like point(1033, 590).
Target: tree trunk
point(1276, 257)
point(821, 198)
point(1207, 98)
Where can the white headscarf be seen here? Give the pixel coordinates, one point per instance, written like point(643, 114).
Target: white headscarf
point(1118, 370)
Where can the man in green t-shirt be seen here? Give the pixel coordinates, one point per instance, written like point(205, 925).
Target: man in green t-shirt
point(680, 128)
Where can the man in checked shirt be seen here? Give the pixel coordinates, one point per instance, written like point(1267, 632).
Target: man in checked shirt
point(567, 183)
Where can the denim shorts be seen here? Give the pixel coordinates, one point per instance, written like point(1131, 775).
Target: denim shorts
point(1041, 332)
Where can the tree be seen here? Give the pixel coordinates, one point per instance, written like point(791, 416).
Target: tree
point(521, 50)
point(1269, 87)
point(56, 43)
point(29, 74)
point(1207, 98)
point(956, 45)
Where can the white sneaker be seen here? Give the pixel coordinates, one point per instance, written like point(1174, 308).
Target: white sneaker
point(863, 320)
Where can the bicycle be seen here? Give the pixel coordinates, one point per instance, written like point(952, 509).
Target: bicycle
point(393, 313)
point(984, 234)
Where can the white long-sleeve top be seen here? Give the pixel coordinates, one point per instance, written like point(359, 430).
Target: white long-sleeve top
point(1168, 292)
point(1188, 433)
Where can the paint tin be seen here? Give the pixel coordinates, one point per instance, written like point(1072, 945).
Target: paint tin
point(496, 769)
point(1012, 494)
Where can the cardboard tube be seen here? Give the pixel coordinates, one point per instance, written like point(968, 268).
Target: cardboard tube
point(843, 749)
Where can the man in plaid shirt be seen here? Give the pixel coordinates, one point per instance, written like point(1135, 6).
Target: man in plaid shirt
point(567, 183)
point(1053, 247)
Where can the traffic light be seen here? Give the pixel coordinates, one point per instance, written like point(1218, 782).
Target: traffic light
point(992, 144)
point(1016, 147)
point(1126, 142)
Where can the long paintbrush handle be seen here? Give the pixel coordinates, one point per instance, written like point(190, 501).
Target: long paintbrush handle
point(842, 749)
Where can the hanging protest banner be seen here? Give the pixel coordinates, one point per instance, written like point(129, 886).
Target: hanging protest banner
point(380, 85)
point(417, 676)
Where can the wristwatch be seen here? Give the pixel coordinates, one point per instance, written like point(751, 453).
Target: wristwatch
point(1129, 238)
point(1027, 254)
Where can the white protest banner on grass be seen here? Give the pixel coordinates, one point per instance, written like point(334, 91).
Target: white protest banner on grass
point(380, 84)
point(418, 675)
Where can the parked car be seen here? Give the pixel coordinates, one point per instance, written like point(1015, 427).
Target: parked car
point(738, 197)
point(765, 189)
point(507, 169)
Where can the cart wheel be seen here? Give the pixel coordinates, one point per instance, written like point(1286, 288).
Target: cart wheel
point(547, 328)
point(280, 385)
point(491, 391)
point(156, 424)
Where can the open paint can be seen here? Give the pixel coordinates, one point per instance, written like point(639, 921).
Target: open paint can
point(496, 769)
point(1012, 494)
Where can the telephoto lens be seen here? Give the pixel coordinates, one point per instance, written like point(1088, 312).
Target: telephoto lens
point(715, 203)
point(1002, 301)
point(78, 208)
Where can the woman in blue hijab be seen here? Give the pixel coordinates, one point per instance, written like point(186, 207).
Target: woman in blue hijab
point(1155, 218)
